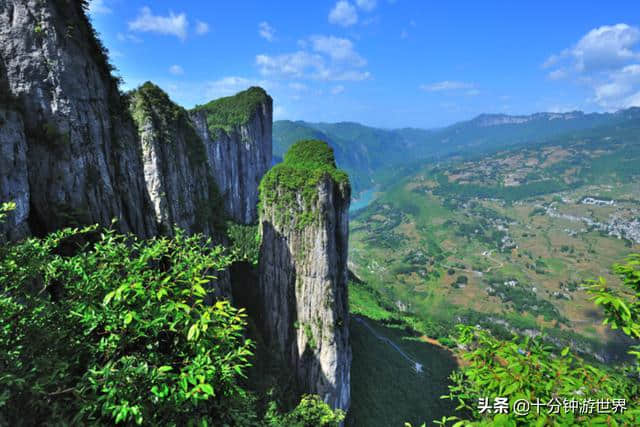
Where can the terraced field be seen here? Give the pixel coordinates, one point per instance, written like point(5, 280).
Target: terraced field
point(507, 239)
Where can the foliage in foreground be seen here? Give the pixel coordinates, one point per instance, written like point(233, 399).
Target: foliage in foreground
point(118, 331)
point(310, 412)
point(528, 370)
point(101, 328)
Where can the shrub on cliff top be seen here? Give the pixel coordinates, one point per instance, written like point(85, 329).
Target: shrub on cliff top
point(150, 103)
point(305, 165)
point(231, 111)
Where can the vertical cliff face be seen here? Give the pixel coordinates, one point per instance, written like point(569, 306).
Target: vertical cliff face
point(303, 269)
point(180, 184)
point(73, 156)
point(237, 134)
point(14, 179)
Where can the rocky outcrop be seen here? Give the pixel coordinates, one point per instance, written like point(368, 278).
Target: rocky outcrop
point(178, 178)
point(237, 135)
point(303, 269)
point(83, 163)
point(73, 154)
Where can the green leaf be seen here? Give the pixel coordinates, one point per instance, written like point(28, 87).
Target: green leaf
point(128, 318)
point(193, 332)
point(510, 389)
point(199, 290)
point(108, 297)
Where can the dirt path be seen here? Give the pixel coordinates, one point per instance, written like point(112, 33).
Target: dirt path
point(486, 254)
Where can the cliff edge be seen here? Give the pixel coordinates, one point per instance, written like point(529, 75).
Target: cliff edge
point(237, 132)
point(72, 151)
point(304, 204)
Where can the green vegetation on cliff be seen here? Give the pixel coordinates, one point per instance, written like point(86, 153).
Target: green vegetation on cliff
point(149, 103)
point(98, 328)
point(231, 111)
point(306, 164)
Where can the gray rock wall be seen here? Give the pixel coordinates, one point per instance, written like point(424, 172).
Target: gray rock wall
point(180, 183)
point(239, 159)
point(73, 155)
point(83, 161)
point(303, 288)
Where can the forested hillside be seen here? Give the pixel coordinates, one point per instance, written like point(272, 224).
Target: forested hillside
point(365, 152)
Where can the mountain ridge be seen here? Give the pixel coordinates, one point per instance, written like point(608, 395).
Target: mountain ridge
point(365, 151)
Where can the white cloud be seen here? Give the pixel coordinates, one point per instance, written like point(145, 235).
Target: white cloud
point(606, 47)
point(344, 14)
point(176, 70)
point(555, 58)
point(607, 61)
point(446, 85)
point(320, 57)
point(279, 112)
point(632, 101)
point(128, 38)
point(621, 90)
point(558, 74)
point(98, 7)
point(338, 49)
point(175, 25)
point(472, 92)
point(367, 5)
point(293, 65)
point(328, 58)
point(202, 28)
point(300, 87)
point(266, 31)
point(337, 90)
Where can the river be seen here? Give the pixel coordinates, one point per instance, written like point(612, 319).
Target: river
point(364, 199)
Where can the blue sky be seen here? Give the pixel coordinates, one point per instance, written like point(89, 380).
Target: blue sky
point(385, 63)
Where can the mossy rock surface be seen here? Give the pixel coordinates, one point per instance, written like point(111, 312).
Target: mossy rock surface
point(150, 103)
point(232, 111)
point(296, 180)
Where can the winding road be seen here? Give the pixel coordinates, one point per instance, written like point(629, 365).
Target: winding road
point(416, 366)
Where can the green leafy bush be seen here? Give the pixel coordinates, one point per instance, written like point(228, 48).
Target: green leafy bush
point(118, 331)
point(310, 412)
point(245, 242)
point(5, 208)
point(305, 165)
point(622, 309)
point(229, 112)
point(527, 369)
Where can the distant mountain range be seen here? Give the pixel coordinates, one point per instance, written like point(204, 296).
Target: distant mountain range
point(364, 151)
